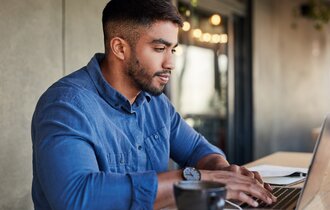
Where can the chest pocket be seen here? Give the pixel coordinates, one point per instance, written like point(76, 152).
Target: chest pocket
point(157, 147)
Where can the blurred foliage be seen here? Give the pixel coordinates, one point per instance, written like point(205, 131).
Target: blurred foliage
point(316, 10)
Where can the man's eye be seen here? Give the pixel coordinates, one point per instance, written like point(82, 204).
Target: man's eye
point(173, 51)
point(160, 49)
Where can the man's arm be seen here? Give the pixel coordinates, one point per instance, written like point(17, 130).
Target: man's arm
point(70, 168)
point(188, 148)
point(212, 162)
point(241, 184)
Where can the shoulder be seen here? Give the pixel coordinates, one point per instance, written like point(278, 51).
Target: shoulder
point(73, 89)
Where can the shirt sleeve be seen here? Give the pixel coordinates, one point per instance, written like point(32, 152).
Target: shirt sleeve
point(187, 145)
point(67, 169)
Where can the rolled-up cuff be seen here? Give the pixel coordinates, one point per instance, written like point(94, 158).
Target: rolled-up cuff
point(144, 189)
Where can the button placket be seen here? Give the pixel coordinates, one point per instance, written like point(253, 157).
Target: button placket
point(122, 159)
point(138, 142)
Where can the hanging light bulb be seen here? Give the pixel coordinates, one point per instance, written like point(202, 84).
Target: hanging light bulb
point(223, 38)
point(215, 19)
point(206, 37)
point(188, 13)
point(186, 26)
point(197, 33)
point(215, 38)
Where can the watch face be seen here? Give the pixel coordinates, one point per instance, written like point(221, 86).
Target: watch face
point(190, 173)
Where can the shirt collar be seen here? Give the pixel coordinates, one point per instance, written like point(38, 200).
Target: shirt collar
point(111, 95)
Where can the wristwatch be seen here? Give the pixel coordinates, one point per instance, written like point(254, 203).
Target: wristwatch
point(191, 173)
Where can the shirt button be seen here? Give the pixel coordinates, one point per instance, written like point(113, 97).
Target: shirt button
point(156, 136)
point(139, 147)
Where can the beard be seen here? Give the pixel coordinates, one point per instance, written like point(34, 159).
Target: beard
point(142, 79)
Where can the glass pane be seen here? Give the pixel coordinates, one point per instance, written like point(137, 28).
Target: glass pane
point(199, 82)
point(197, 85)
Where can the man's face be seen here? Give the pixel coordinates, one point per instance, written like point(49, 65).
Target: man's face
point(152, 60)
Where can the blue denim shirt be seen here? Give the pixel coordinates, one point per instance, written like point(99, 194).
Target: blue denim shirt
point(92, 149)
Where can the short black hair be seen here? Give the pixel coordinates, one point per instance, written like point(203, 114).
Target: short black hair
point(122, 17)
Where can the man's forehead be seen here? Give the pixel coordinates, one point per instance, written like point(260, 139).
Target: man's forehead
point(161, 33)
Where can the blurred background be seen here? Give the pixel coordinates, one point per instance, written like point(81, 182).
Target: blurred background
point(253, 76)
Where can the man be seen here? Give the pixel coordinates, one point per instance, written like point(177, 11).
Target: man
point(103, 136)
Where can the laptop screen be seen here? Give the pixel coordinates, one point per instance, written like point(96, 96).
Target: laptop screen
point(316, 192)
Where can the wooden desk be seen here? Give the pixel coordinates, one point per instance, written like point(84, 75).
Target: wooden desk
point(298, 159)
point(291, 159)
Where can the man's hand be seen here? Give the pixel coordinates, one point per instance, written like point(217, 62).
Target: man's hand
point(244, 171)
point(240, 187)
point(241, 183)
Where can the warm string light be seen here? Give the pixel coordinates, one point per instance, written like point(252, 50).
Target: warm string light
point(215, 19)
point(223, 38)
point(186, 26)
point(188, 13)
point(215, 38)
point(211, 38)
point(197, 33)
point(206, 37)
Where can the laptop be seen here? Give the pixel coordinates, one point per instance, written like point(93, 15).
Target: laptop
point(315, 194)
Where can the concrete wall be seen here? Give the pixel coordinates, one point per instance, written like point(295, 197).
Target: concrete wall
point(42, 40)
point(83, 32)
point(291, 73)
point(31, 59)
point(39, 38)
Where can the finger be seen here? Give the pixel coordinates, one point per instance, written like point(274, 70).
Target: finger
point(268, 187)
point(258, 177)
point(236, 181)
point(250, 176)
point(253, 189)
point(241, 196)
point(265, 185)
point(246, 172)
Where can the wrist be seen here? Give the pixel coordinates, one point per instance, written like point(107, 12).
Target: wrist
point(205, 175)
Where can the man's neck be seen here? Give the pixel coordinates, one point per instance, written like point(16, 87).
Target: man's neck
point(115, 76)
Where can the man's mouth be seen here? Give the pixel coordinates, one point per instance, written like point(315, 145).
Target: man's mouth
point(164, 76)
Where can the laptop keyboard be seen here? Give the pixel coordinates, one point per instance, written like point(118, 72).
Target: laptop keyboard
point(285, 198)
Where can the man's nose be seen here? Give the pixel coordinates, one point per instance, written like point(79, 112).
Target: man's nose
point(169, 62)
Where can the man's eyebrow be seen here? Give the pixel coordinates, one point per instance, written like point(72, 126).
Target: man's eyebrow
point(162, 41)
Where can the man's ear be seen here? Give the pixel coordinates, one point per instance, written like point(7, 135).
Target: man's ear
point(119, 47)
